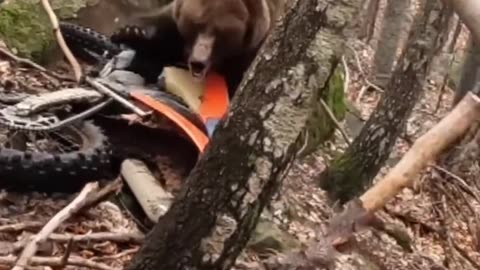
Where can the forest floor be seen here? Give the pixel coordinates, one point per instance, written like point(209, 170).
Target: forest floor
point(433, 223)
point(301, 208)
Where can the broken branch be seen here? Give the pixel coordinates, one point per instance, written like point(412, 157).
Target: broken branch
point(102, 194)
point(135, 238)
point(358, 213)
point(71, 209)
point(58, 262)
point(77, 70)
point(129, 238)
point(29, 226)
point(336, 122)
point(27, 62)
point(423, 151)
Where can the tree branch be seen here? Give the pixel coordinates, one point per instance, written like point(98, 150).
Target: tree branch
point(77, 70)
point(71, 209)
point(58, 262)
point(423, 151)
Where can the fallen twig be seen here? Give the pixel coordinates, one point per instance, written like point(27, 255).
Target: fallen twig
point(29, 225)
point(357, 59)
point(368, 85)
point(24, 61)
point(335, 121)
point(364, 75)
point(456, 188)
point(57, 262)
point(448, 245)
point(118, 255)
point(361, 93)
point(135, 238)
point(359, 211)
point(454, 203)
point(71, 209)
point(346, 81)
point(130, 238)
point(7, 248)
point(374, 86)
point(454, 246)
point(27, 62)
point(462, 182)
point(424, 150)
point(68, 252)
point(77, 70)
point(362, 72)
point(103, 193)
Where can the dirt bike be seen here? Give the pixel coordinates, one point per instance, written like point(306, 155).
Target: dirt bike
point(49, 142)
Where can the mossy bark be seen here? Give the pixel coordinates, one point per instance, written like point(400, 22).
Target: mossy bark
point(351, 173)
point(212, 219)
point(25, 27)
point(320, 126)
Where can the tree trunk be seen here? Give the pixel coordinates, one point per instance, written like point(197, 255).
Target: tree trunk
point(395, 26)
point(469, 12)
point(442, 61)
point(369, 17)
point(210, 222)
point(351, 173)
point(470, 72)
point(457, 25)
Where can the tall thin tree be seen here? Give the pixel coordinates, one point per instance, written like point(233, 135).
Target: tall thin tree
point(395, 26)
point(353, 171)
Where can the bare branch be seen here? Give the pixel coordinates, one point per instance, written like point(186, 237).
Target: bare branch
point(102, 194)
point(135, 238)
point(468, 11)
point(30, 225)
point(424, 150)
point(77, 70)
point(75, 206)
point(30, 63)
point(335, 121)
point(57, 262)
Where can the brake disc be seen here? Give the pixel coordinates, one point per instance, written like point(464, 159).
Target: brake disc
point(36, 122)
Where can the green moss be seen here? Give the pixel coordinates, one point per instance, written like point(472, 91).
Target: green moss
point(455, 72)
point(338, 181)
point(335, 95)
point(320, 126)
point(25, 27)
point(68, 8)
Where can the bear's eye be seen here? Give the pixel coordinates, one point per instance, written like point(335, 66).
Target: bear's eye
point(230, 32)
point(188, 29)
point(230, 40)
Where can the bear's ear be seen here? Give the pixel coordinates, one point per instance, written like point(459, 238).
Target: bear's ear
point(158, 14)
point(177, 5)
point(259, 21)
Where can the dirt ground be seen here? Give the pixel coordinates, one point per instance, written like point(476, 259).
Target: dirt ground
point(300, 209)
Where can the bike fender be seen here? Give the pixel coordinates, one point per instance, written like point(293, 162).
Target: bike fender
point(195, 134)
